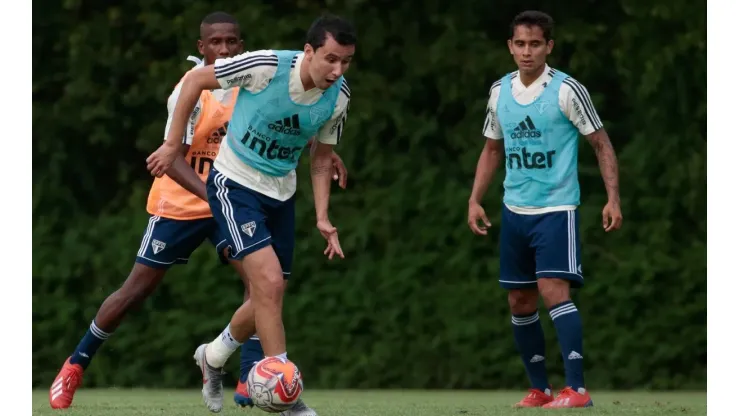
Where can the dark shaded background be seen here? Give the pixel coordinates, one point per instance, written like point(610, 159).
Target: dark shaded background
point(416, 303)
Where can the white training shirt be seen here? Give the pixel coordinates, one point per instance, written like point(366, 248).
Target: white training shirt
point(222, 96)
point(575, 103)
point(253, 71)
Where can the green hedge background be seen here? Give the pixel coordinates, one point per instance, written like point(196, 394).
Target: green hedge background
point(416, 303)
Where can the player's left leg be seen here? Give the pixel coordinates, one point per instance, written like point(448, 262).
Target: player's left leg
point(233, 204)
point(242, 322)
point(242, 327)
point(281, 221)
point(251, 349)
point(555, 238)
point(166, 242)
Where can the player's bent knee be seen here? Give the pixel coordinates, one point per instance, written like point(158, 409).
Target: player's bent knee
point(270, 292)
point(265, 275)
point(554, 290)
point(522, 301)
point(268, 282)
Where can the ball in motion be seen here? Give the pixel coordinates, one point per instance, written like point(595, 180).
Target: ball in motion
point(274, 385)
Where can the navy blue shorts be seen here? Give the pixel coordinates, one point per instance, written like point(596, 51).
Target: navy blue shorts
point(251, 221)
point(539, 246)
point(167, 241)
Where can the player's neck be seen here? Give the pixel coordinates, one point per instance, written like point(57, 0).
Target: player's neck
point(207, 62)
point(305, 76)
point(528, 78)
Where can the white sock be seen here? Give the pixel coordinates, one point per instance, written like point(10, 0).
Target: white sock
point(221, 348)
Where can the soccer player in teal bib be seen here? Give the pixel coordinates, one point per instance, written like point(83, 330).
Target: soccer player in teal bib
point(285, 99)
point(534, 118)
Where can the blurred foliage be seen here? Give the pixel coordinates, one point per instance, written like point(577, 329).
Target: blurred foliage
point(416, 283)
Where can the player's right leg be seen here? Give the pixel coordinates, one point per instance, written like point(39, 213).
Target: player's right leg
point(165, 242)
point(517, 275)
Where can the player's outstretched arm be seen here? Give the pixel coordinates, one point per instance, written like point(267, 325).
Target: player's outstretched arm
point(488, 162)
point(321, 176)
point(612, 213)
point(194, 83)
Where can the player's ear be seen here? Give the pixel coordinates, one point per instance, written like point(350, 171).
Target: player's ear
point(550, 45)
point(511, 51)
point(308, 50)
point(241, 46)
point(200, 48)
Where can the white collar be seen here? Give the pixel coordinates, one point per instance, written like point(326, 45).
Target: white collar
point(539, 81)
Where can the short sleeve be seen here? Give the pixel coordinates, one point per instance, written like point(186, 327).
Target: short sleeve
point(331, 132)
point(491, 126)
point(576, 104)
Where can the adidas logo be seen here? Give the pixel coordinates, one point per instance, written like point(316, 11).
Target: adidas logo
point(288, 125)
point(574, 356)
point(537, 358)
point(218, 134)
point(526, 130)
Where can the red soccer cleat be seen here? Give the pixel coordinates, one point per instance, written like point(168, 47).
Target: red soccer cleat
point(536, 398)
point(241, 395)
point(63, 389)
point(569, 398)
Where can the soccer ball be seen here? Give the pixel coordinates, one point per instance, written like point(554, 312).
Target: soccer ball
point(274, 385)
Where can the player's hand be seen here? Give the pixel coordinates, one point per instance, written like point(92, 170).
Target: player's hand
point(611, 216)
point(329, 232)
point(476, 214)
point(158, 162)
point(340, 171)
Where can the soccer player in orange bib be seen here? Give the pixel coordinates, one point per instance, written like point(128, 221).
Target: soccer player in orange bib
point(181, 218)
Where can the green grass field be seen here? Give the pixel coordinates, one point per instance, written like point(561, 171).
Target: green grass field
point(382, 403)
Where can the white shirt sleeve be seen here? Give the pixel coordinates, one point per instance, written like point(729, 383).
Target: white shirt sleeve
point(192, 121)
point(576, 104)
point(492, 127)
point(249, 70)
point(331, 131)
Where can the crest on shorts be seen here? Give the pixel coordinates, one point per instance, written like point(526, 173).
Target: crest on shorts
point(158, 246)
point(317, 115)
point(249, 228)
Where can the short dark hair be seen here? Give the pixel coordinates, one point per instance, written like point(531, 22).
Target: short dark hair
point(216, 18)
point(534, 18)
point(219, 17)
point(339, 28)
